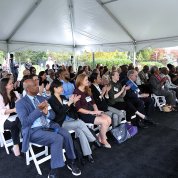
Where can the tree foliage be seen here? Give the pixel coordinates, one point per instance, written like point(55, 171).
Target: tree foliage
point(144, 55)
point(2, 56)
point(86, 58)
point(35, 57)
point(104, 58)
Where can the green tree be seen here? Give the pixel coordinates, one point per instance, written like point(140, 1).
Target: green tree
point(34, 56)
point(144, 55)
point(59, 56)
point(104, 58)
point(2, 56)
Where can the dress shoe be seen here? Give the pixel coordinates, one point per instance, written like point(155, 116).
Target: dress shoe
point(17, 156)
point(82, 161)
point(90, 159)
point(107, 145)
point(97, 144)
point(141, 125)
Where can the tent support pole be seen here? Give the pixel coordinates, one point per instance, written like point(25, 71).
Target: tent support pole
point(93, 59)
point(74, 60)
point(134, 53)
point(70, 5)
point(7, 57)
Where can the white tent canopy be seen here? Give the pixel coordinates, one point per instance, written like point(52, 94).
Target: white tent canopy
point(87, 24)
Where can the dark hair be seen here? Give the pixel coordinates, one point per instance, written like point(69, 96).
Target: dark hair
point(31, 69)
point(45, 82)
point(58, 73)
point(105, 70)
point(56, 83)
point(3, 91)
point(79, 68)
point(146, 68)
point(11, 55)
point(41, 73)
point(80, 72)
point(70, 68)
point(170, 66)
point(93, 77)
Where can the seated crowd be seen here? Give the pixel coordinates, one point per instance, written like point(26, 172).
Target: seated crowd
point(59, 100)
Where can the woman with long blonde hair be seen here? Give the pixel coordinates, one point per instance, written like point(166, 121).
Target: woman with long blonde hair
point(88, 111)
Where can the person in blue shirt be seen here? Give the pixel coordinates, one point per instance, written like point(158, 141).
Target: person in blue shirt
point(68, 87)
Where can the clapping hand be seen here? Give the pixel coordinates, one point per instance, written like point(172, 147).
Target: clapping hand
point(16, 84)
point(97, 113)
point(127, 88)
point(47, 87)
point(71, 100)
point(123, 89)
point(43, 105)
point(76, 98)
point(108, 87)
point(104, 89)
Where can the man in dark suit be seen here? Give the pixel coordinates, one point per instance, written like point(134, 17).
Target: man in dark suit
point(37, 127)
point(141, 101)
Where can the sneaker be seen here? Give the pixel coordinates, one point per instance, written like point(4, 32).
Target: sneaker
point(73, 167)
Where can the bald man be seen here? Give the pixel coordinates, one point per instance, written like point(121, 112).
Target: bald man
point(37, 127)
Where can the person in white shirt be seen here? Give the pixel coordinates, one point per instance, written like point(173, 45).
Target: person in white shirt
point(168, 84)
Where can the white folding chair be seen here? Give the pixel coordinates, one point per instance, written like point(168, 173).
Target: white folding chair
point(31, 155)
point(4, 142)
point(160, 101)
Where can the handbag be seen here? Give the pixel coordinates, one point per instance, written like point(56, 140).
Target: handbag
point(133, 130)
point(120, 133)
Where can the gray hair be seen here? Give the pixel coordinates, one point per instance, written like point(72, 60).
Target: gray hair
point(130, 72)
point(153, 69)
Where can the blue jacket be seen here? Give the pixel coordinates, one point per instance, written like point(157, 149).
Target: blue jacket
point(27, 114)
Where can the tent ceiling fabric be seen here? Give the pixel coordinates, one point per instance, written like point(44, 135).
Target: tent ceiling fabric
point(88, 24)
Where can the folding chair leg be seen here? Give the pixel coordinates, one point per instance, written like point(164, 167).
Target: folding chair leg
point(64, 158)
point(35, 160)
point(46, 151)
point(27, 158)
point(4, 142)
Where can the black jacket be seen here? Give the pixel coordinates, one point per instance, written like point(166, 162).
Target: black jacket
point(62, 110)
point(101, 103)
